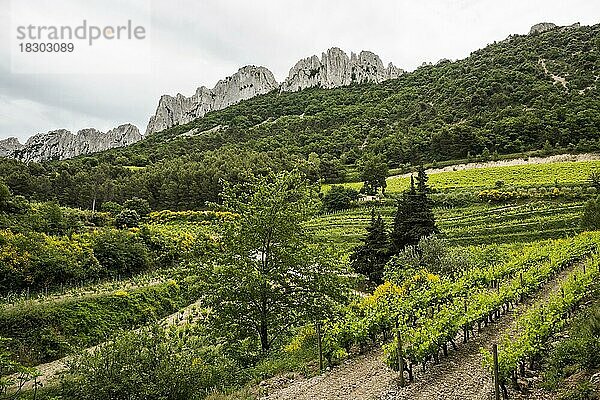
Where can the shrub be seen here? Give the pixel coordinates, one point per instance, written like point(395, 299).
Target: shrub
point(37, 260)
point(154, 363)
point(591, 215)
point(127, 219)
point(339, 198)
point(121, 252)
point(141, 206)
point(111, 207)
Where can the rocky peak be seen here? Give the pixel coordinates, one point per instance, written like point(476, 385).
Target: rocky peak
point(9, 146)
point(246, 83)
point(62, 144)
point(335, 69)
point(541, 27)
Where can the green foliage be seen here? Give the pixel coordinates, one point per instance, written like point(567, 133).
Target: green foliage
point(191, 364)
point(38, 261)
point(190, 216)
point(339, 198)
point(414, 217)
point(431, 253)
point(595, 179)
point(591, 215)
point(141, 206)
point(5, 197)
point(151, 364)
point(543, 320)
point(127, 219)
point(269, 278)
point(43, 332)
point(579, 351)
point(373, 172)
point(370, 257)
point(111, 207)
point(121, 252)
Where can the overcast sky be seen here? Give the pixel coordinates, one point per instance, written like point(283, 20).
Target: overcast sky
point(198, 42)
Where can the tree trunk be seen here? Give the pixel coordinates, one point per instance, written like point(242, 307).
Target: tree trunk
point(264, 336)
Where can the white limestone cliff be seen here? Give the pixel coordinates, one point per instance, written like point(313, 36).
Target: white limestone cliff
point(62, 144)
point(9, 146)
point(248, 82)
point(335, 69)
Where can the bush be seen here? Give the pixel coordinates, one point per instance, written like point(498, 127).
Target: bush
point(580, 351)
point(121, 252)
point(127, 219)
point(591, 215)
point(141, 206)
point(339, 198)
point(37, 261)
point(111, 207)
point(152, 364)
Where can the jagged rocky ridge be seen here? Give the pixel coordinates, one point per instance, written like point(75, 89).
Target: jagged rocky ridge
point(9, 146)
point(62, 144)
point(248, 82)
point(333, 69)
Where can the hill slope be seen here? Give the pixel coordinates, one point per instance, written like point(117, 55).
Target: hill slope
point(524, 93)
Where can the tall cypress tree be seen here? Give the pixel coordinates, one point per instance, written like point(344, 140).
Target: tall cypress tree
point(414, 216)
point(370, 257)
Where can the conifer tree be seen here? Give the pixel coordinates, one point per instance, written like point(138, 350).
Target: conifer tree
point(414, 217)
point(370, 257)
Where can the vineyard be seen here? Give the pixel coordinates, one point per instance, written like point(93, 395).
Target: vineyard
point(428, 312)
point(559, 174)
point(84, 290)
point(479, 223)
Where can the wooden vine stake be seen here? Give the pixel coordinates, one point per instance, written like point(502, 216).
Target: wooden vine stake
point(496, 378)
point(399, 354)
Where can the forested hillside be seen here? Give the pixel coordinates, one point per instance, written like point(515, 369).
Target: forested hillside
point(525, 93)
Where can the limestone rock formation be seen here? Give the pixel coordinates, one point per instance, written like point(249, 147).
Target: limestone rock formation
point(248, 82)
point(9, 146)
point(62, 144)
point(541, 27)
point(335, 69)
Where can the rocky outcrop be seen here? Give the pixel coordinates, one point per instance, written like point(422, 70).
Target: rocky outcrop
point(248, 82)
point(335, 69)
point(9, 146)
point(542, 27)
point(62, 144)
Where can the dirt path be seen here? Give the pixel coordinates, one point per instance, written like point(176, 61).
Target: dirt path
point(460, 376)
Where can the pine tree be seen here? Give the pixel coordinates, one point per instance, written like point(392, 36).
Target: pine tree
point(370, 257)
point(414, 217)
